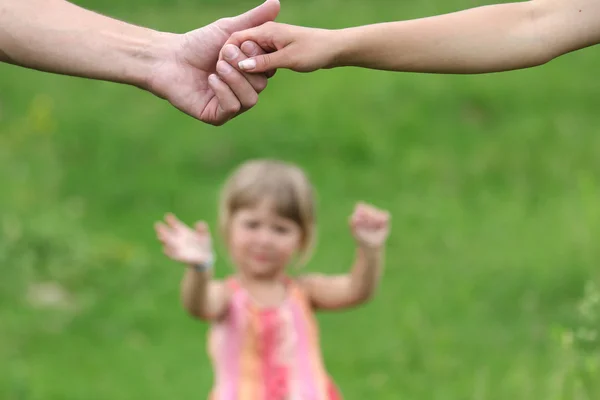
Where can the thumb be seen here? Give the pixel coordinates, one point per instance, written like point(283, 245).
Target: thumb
point(266, 12)
point(201, 227)
point(266, 62)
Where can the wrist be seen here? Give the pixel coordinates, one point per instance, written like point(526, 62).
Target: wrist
point(201, 267)
point(145, 54)
point(369, 249)
point(343, 43)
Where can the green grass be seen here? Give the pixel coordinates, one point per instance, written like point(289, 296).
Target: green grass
point(492, 182)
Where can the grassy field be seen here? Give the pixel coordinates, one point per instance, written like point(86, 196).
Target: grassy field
point(492, 182)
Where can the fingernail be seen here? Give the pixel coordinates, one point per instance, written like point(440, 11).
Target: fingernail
point(247, 64)
point(230, 52)
point(223, 67)
point(213, 78)
point(249, 48)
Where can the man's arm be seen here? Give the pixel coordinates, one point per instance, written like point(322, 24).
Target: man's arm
point(61, 37)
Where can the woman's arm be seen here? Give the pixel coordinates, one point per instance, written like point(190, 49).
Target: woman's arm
point(484, 39)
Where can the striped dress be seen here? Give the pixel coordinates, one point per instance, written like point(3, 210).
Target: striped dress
point(268, 353)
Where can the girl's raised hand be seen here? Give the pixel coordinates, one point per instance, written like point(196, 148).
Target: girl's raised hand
point(184, 244)
point(370, 226)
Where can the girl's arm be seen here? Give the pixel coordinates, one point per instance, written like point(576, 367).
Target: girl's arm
point(484, 39)
point(370, 228)
point(349, 290)
point(203, 297)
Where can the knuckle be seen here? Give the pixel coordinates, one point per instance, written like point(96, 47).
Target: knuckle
point(261, 84)
point(252, 100)
point(224, 21)
point(233, 108)
point(266, 59)
point(251, 49)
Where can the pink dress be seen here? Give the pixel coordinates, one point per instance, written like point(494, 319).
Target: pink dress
point(269, 353)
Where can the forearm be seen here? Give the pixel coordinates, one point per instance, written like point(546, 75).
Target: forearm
point(366, 272)
point(195, 292)
point(60, 37)
point(483, 39)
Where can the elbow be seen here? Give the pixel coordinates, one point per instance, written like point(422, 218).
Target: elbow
point(540, 28)
point(363, 296)
point(190, 309)
point(198, 313)
point(193, 309)
point(202, 312)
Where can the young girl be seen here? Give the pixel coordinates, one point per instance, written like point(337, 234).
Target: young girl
point(264, 338)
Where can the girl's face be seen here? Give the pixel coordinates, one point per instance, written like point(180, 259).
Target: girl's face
point(261, 242)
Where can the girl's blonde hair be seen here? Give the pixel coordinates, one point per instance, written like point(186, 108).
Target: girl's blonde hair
point(281, 182)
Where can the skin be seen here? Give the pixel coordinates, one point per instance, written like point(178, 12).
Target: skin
point(262, 244)
point(485, 39)
point(59, 37)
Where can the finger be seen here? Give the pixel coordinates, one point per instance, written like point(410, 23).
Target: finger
point(169, 252)
point(162, 231)
point(379, 223)
point(174, 223)
point(228, 104)
point(160, 227)
point(261, 35)
point(163, 237)
point(362, 214)
point(264, 36)
point(232, 56)
point(251, 49)
point(266, 62)
point(381, 218)
point(385, 216)
point(352, 220)
point(239, 85)
point(171, 220)
point(265, 12)
point(202, 228)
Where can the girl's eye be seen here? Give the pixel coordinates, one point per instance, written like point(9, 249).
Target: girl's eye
point(281, 229)
point(251, 224)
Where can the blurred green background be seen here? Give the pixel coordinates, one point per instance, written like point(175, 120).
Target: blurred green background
point(492, 181)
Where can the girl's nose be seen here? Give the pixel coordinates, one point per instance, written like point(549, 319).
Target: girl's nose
point(264, 237)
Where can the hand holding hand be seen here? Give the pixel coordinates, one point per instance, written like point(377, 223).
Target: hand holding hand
point(288, 46)
point(369, 226)
point(188, 76)
point(183, 244)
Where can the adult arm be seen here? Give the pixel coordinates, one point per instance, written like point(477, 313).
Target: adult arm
point(60, 37)
point(484, 39)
